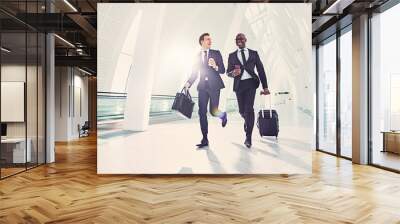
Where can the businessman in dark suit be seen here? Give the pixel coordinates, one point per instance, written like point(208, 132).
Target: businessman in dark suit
point(209, 65)
point(241, 66)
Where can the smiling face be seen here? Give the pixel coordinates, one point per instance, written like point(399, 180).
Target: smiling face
point(241, 40)
point(206, 42)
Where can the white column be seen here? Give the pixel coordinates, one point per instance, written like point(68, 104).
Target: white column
point(360, 90)
point(50, 99)
point(141, 74)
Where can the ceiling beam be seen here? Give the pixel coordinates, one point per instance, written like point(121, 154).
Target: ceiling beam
point(337, 6)
point(84, 24)
point(82, 61)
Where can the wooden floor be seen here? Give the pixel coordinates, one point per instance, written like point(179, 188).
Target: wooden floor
point(5, 172)
point(70, 191)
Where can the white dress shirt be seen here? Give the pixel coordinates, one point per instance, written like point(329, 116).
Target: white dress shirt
point(202, 58)
point(245, 74)
point(202, 55)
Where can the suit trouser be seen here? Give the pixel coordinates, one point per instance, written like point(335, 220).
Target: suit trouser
point(206, 95)
point(245, 97)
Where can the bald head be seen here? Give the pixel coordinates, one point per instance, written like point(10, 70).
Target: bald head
point(241, 40)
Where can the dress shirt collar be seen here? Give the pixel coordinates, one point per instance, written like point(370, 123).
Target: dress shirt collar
point(202, 50)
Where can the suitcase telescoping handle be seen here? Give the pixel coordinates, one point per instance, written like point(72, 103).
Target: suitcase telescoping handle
point(270, 106)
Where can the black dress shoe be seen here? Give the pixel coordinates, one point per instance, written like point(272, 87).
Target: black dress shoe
point(247, 143)
point(203, 143)
point(224, 119)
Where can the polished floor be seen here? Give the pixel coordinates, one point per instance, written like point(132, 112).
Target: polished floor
point(70, 191)
point(169, 148)
point(386, 159)
point(9, 171)
point(5, 172)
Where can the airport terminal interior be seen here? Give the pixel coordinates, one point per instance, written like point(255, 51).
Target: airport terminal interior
point(54, 116)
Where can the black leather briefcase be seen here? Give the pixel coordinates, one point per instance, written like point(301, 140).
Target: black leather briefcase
point(183, 103)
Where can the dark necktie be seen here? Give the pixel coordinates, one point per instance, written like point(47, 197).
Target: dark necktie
point(243, 57)
point(205, 58)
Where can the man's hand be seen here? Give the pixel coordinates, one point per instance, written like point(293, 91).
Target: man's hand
point(211, 62)
point(187, 86)
point(265, 91)
point(236, 72)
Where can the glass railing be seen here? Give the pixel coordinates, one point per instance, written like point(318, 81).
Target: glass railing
point(111, 106)
point(161, 105)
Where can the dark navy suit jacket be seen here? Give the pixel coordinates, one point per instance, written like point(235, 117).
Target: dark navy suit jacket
point(214, 78)
point(252, 62)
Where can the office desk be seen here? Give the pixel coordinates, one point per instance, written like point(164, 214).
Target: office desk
point(13, 150)
point(391, 141)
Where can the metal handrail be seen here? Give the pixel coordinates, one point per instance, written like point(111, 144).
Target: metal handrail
point(124, 95)
point(120, 105)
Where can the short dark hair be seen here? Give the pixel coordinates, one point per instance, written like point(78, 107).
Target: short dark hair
point(201, 38)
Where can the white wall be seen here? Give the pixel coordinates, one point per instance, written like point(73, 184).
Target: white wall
point(81, 114)
point(70, 83)
point(33, 126)
point(62, 81)
point(12, 73)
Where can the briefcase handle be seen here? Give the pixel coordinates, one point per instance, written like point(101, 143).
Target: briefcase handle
point(187, 93)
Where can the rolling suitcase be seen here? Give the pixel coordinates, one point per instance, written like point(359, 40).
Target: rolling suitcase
point(183, 103)
point(268, 122)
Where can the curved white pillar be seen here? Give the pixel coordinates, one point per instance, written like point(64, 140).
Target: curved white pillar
point(141, 74)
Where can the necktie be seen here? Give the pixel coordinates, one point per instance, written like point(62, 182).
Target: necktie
point(243, 57)
point(205, 62)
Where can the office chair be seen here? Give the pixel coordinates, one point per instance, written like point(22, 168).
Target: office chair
point(84, 130)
